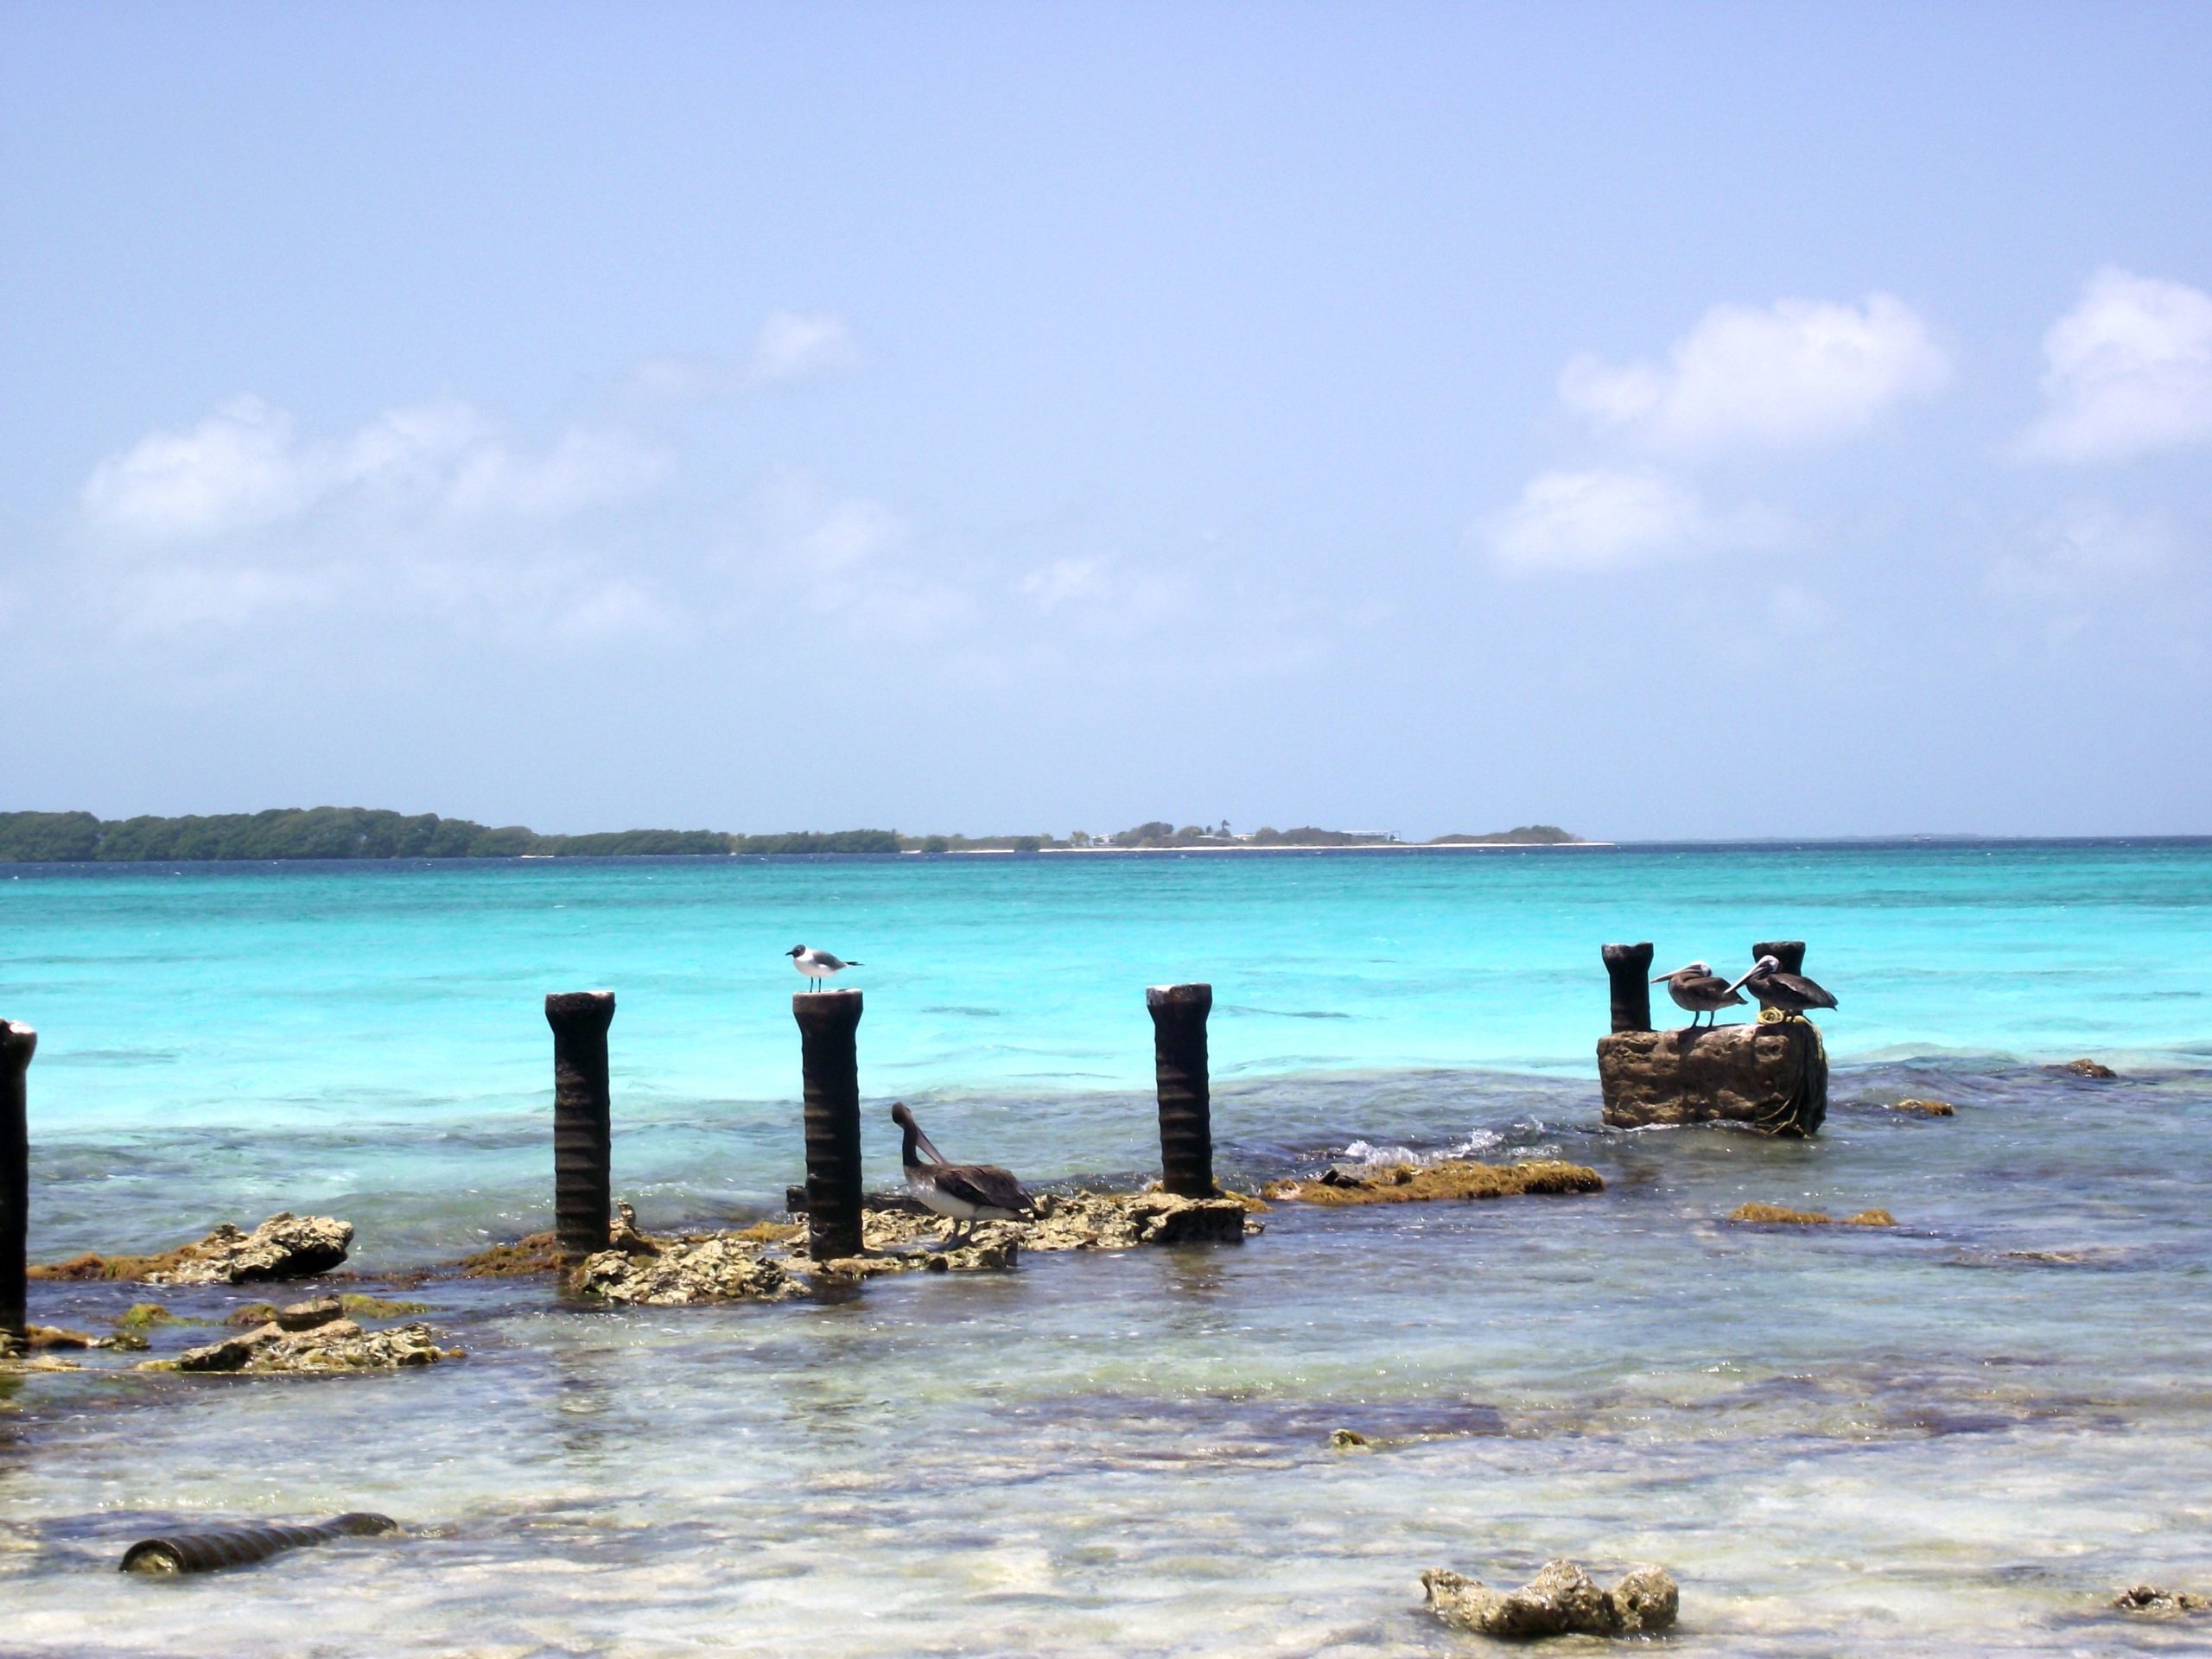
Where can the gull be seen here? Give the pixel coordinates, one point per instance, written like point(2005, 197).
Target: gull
point(966, 1192)
point(1695, 987)
point(1785, 993)
point(817, 965)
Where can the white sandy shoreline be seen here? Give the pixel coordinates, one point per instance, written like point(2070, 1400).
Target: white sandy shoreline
point(1366, 847)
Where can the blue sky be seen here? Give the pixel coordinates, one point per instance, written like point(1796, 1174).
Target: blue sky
point(1663, 420)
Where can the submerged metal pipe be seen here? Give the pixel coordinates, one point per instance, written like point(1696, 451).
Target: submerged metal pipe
point(583, 1180)
point(207, 1552)
point(18, 1044)
point(830, 1070)
point(1629, 967)
point(1179, 1041)
point(1791, 953)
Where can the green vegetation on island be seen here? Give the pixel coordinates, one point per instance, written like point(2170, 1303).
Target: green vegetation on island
point(350, 832)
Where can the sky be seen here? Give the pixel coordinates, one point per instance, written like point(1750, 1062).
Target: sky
point(1663, 420)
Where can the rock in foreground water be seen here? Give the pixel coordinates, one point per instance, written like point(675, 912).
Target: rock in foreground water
point(721, 1267)
point(337, 1344)
point(285, 1246)
point(1925, 1108)
point(1427, 1183)
point(1561, 1600)
point(1776, 1215)
point(2154, 1602)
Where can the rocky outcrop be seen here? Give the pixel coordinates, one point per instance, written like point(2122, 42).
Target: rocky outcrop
point(1423, 1183)
point(1772, 1077)
point(718, 1267)
point(1776, 1215)
point(284, 1247)
point(1561, 1600)
point(334, 1343)
point(2085, 1068)
point(2152, 1602)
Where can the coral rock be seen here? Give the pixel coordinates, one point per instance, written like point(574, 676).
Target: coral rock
point(2086, 1068)
point(305, 1316)
point(1926, 1108)
point(1561, 1600)
point(1423, 1183)
point(284, 1247)
point(2154, 1602)
point(719, 1268)
point(333, 1345)
point(1776, 1215)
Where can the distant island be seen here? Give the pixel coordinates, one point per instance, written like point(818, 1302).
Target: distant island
point(337, 832)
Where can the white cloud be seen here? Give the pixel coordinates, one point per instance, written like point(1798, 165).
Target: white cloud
point(236, 469)
point(2127, 370)
point(798, 345)
point(1613, 519)
point(2088, 548)
point(242, 469)
point(1795, 373)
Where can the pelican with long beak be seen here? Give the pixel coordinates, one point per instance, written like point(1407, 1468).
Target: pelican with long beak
point(1698, 989)
point(1785, 993)
point(967, 1193)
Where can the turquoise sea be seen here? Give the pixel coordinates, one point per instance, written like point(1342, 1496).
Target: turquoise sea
point(1962, 1436)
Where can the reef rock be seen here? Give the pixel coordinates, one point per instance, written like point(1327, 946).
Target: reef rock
point(336, 1344)
point(1776, 1215)
point(1925, 1108)
point(1423, 1183)
point(2086, 1068)
point(720, 1267)
point(2154, 1602)
point(284, 1247)
point(1561, 1600)
point(1119, 1221)
point(1772, 1077)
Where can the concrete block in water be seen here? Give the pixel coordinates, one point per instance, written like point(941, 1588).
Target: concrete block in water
point(1772, 1077)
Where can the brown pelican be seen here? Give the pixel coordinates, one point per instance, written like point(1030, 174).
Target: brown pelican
point(1788, 993)
point(817, 965)
point(1696, 988)
point(966, 1192)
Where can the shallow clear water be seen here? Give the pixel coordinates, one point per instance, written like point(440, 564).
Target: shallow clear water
point(1958, 1436)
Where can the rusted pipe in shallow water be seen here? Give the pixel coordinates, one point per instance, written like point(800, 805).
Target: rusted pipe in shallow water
point(1791, 953)
point(830, 1070)
point(1629, 967)
point(1178, 1043)
point(18, 1044)
point(208, 1552)
point(583, 1193)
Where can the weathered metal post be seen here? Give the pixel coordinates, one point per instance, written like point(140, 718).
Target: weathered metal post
point(1628, 966)
point(1791, 953)
point(829, 1060)
point(17, 1043)
point(1179, 1041)
point(583, 1127)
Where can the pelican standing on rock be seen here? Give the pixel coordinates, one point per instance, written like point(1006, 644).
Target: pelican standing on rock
point(965, 1192)
point(1698, 989)
point(1786, 993)
point(817, 965)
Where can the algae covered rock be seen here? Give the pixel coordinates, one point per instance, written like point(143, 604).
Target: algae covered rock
point(1561, 1600)
point(1427, 1183)
point(1925, 1108)
point(717, 1268)
point(284, 1247)
point(1115, 1221)
point(333, 1345)
point(1776, 1215)
point(2086, 1068)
